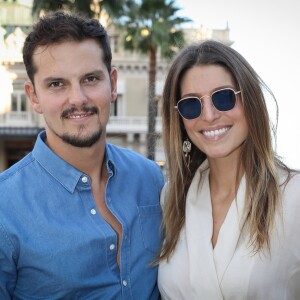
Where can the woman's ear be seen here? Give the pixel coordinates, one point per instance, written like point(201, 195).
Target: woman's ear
point(31, 94)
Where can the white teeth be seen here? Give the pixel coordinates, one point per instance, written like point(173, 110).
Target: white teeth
point(77, 116)
point(215, 132)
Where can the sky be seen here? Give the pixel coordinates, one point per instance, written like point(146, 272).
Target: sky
point(267, 34)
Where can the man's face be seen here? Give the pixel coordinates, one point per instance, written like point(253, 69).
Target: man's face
point(73, 90)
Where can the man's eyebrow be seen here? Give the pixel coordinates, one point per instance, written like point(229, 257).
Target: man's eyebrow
point(50, 79)
point(53, 78)
point(95, 72)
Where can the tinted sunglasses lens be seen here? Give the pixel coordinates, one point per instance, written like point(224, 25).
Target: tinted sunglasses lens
point(189, 108)
point(224, 100)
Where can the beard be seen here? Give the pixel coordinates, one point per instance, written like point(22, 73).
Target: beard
point(77, 140)
point(80, 141)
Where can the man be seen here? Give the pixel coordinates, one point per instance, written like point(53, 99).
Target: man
point(79, 218)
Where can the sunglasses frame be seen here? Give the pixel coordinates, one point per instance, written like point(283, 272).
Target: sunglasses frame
point(210, 96)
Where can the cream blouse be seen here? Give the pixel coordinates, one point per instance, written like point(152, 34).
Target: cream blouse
point(230, 271)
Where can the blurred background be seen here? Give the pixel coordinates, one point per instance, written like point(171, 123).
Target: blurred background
point(144, 37)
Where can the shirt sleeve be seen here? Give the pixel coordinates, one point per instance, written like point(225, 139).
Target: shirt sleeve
point(8, 270)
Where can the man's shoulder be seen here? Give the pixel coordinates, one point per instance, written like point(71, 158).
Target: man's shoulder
point(17, 169)
point(130, 161)
point(135, 168)
point(118, 152)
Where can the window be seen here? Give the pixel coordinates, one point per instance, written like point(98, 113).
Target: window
point(116, 108)
point(18, 101)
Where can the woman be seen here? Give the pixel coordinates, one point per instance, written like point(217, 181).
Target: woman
point(231, 206)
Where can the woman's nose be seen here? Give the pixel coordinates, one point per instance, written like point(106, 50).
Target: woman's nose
point(209, 112)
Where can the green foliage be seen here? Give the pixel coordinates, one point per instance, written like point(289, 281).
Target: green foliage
point(146, 24)
point(90, 8)
point(152, 24)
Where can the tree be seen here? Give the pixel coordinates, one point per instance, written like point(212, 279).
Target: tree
point(150, 26)
point(90, 8)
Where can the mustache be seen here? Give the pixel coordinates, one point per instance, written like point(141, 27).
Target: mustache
point(84, 109)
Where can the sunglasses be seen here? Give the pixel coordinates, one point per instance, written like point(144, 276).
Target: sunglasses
point(191, 107)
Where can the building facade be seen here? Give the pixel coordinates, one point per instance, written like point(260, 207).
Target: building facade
point(19, 124)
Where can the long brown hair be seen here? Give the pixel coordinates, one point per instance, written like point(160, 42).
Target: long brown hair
point(257, 157)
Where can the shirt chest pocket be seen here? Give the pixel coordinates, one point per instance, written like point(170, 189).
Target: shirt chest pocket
point(150, 221)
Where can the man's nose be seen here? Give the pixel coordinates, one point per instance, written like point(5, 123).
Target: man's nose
point(77, 95)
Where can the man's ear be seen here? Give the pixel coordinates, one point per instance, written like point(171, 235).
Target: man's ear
point(113, 80)
point(31, 94)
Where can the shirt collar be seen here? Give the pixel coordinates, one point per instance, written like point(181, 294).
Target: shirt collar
point(110, 159)
point(63, 172)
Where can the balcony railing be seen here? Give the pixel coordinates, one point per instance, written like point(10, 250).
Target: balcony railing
point(130, 124)
point(17, 118)
point(124, 124)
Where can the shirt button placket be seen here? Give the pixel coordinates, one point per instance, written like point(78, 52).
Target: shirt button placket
point(84, 179)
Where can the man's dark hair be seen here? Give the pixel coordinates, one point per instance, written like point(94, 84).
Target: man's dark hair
point(58, 27)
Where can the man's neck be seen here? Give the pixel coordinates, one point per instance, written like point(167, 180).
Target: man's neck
point(88, 160)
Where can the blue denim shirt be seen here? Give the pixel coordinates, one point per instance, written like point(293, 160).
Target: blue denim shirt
point(54, 244)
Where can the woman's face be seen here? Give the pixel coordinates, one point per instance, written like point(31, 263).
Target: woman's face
point(218, 134)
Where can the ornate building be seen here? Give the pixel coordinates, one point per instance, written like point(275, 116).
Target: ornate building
point(127, 127)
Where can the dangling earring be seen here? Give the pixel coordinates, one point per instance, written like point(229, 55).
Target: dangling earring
point(186, 148)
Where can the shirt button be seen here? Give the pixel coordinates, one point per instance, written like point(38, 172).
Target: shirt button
point(93, 211)
point(112, 247)
point(84, 179)
point(124, 282)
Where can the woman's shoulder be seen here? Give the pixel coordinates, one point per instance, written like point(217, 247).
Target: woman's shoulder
point(290, 211)
point(289, 180)
point(290, 188)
